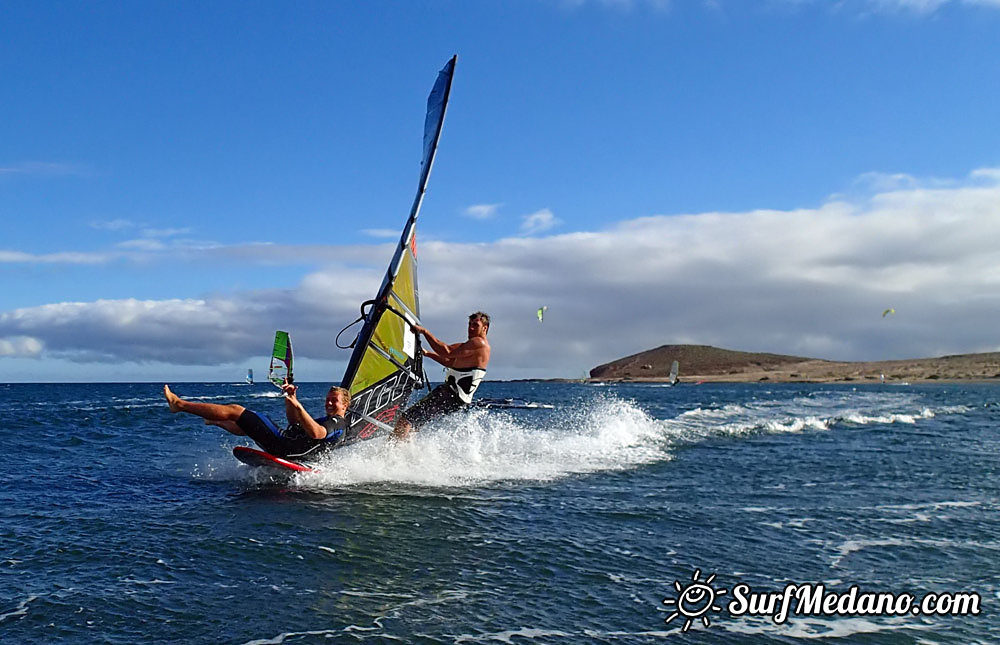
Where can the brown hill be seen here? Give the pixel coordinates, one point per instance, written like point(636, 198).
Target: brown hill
point(694, 359)
point(706, 363)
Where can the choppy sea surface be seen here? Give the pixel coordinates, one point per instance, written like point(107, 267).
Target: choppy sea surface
point(568, 521)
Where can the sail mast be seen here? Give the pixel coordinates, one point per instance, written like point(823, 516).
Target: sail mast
point(386, 364)
point(437, 105)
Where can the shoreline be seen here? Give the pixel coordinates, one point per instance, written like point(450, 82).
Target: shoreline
point(732, 379)
point(714, 365)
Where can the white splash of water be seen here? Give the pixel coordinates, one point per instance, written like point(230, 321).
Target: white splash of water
point(821, 411)
point(20, 611)
point(487, 446)
point(819, 628)
point(268, 394)
point(605, 433)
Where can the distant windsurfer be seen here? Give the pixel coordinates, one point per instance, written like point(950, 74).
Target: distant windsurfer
point(466, 363)
point(304, 436)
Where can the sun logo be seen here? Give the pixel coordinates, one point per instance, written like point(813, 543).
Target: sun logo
point(694, 600)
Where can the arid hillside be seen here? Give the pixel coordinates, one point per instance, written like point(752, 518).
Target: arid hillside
point(706, 363)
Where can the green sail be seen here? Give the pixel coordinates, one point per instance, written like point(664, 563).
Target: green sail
point(281, 359)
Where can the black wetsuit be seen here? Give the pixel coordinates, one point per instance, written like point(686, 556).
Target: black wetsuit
point(293, 441)
point(451, 396)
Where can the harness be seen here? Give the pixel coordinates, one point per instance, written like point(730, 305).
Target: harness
point(464, 381)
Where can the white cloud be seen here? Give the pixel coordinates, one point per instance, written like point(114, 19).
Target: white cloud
point(381, 232)
point(877, 182)
point(918, 7)
point(20, 346)
point(165, 232)
point(20, 257)
point(144, 250)
point(621, 5)
point(811, 282)
point(41, 168)
point(929, 6)
point(113, 225)
point(538, 222)
point(481, 211)
point(988, 175)
point(142, 245)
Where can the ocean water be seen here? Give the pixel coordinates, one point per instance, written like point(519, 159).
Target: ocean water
point(570, 522)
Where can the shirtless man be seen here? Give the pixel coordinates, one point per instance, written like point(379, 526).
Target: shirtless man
point(466, 363)
point(304, 436)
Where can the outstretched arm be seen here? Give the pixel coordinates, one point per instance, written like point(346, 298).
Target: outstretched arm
point(297, 414)
point(474, 352)
point(438, 348)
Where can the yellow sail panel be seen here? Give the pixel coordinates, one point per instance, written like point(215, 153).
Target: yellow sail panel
point(371, 370)
point(388, 336)
point(404, 286)
point(374, 366)
point(391, 332)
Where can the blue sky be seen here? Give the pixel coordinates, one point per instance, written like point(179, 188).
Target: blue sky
point(178, 179)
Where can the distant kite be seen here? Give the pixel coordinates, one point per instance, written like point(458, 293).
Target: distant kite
point(888, 311)
point(541, 313)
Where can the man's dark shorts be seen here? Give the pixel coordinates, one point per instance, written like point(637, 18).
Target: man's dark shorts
point(441, 401)
point(290, 442)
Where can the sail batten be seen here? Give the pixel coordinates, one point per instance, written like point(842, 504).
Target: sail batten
point(386, 362)
point(407, 314)
point(395, 362)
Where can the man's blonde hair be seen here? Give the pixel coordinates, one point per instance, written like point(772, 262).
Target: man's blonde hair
point(344, 394)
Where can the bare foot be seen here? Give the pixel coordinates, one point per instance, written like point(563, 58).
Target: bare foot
point(172, 399)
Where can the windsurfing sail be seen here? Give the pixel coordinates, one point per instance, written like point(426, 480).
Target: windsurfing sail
point(250, 377)
point(541, 313)
point(280, 371)
point(386, 364)
point(673, 372)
